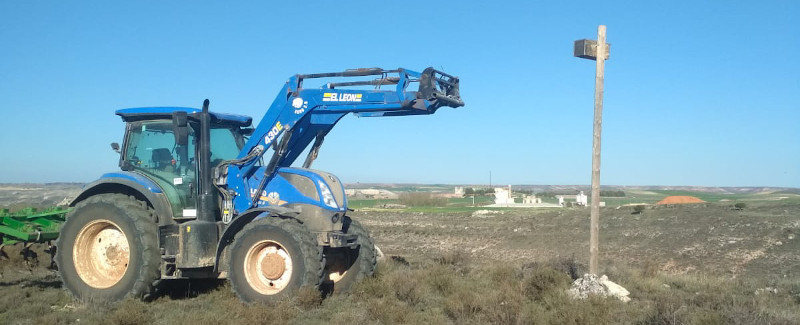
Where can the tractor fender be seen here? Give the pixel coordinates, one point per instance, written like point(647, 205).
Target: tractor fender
point(229, 234)
point(132, 184)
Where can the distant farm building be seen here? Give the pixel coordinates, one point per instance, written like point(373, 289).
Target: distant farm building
point(504, 197)
point(580, 199)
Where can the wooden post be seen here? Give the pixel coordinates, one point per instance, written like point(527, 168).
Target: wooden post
point(598, 121)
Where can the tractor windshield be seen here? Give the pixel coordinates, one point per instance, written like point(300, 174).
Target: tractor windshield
point(225, 144)
point(151, 147)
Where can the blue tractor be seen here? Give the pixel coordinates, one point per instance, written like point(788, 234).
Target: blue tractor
point(206, 195)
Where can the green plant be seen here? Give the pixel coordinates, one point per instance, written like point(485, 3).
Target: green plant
point(739, 206)
point(637, 209)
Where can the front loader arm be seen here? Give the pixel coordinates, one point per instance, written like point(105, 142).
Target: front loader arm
point(311, 113)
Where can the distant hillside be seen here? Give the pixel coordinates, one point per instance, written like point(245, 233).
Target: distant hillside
point(15, 196)
point(586, 188)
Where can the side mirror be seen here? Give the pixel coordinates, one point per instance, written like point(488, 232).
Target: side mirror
point(115, 147)
point(180, 128)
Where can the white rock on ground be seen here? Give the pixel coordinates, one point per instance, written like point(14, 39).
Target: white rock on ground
point(482, 214)
point(766, 290)
point(379, 253)
point(65, 202)
point(590, 284)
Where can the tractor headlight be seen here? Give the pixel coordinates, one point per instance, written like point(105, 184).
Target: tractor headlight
point(327, 196)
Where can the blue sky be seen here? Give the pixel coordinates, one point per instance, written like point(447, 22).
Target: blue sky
point(697, 92)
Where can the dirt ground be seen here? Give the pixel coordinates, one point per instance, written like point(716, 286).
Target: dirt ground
point(759, 243)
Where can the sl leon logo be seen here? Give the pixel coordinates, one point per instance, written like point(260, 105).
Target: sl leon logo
point(341, 97)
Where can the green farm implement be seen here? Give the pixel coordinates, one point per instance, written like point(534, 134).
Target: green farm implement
point(29, 226)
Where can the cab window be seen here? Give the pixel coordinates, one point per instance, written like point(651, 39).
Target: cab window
point(151, 148)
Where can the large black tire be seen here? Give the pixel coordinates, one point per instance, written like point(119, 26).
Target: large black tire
point(346, 266)
point(125, 265)
point(271, 258)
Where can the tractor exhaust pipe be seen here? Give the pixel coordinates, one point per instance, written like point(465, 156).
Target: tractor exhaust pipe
point(198, 238)
point(206, 201)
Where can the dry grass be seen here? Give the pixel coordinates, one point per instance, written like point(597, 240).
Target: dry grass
point(443, 290)
point(509, 269)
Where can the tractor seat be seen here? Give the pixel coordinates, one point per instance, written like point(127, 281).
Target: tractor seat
point(162, 159)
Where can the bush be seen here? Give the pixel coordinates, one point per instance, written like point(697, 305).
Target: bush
point(637, 209)
point(480, 191)
point(740, 206)
point(422, 199)
point(569, 266)
point(541, 280)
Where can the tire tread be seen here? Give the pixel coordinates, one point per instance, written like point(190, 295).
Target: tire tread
point(312, 253)
point(145, 228)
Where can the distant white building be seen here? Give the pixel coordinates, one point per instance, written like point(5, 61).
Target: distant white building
point(531, 199)
point(502, 195)
point(580, 199)
point(459, 190)
point(504, 198)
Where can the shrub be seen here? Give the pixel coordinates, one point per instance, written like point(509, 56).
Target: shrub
point(739, 206)
point(540, 280)
point(637, 209)
point(455, 258)
point(568, 265)
point(458, 261)
point(422, 199)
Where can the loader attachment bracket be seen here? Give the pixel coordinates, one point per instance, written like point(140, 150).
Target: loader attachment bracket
point(437, 85)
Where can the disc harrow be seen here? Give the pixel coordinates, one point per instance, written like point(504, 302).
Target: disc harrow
point(29, 226)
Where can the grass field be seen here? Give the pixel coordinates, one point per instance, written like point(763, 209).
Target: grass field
point(683, 264)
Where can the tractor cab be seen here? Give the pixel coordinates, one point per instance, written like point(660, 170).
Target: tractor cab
point(161, 144)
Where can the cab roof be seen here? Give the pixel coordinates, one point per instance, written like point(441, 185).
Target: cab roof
point(156, 113)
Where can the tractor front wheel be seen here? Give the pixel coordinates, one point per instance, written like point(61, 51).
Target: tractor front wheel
point(346, 266)
point(271, 258)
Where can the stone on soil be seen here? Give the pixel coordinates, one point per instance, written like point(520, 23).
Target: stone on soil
point(590, 285)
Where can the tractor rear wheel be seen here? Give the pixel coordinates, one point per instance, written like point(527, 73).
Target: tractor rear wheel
point(271, 258)
point(346, 266)
point(107, 249)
